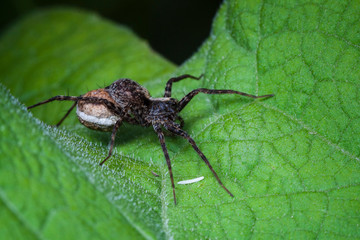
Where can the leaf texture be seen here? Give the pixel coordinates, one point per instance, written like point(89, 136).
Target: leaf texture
point(291, 161)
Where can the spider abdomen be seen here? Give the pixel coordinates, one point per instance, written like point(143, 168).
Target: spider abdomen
point(96, 115)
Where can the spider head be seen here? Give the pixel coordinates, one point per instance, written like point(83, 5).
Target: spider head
point(163, 108)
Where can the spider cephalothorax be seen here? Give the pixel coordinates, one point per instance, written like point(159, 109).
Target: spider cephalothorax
point(127, 101)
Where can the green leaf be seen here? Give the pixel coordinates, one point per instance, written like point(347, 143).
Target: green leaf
point(50, 179)
point(44, 194)
point(291, 161)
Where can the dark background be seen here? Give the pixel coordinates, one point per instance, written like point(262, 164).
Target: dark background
point(174, 28)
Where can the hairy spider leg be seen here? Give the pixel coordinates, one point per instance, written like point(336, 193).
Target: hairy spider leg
point(112, 141)
point(108, 104)
point(56, 98)
point(185, 100)
point(160, 134)
point(175, 128)
point(176, 79)
point(181, 120)
point(67, 114)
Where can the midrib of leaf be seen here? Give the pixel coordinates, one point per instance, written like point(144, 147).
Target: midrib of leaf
point(164, 203)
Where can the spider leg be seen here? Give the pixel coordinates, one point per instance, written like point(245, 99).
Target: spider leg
point(114, 108)
point(112, 141)
point(185, 100)
point(176, 79)
point(56, 98)
point(181, 120)
point(175, 128)
point(160, 134)
point(67, 114)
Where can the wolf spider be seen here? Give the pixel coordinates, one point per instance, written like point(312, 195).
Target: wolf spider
point(125, 100)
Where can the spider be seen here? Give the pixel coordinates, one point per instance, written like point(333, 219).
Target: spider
point(125, 100)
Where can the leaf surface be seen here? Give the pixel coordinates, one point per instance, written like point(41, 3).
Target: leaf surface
point(291, 161)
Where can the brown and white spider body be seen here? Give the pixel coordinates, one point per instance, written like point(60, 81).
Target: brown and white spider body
point(125, 100)
point(96, 116)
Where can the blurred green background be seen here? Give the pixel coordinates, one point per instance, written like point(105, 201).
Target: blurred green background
point(175, 29)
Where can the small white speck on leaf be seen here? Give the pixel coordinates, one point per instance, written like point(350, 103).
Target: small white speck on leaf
point(191, 180)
